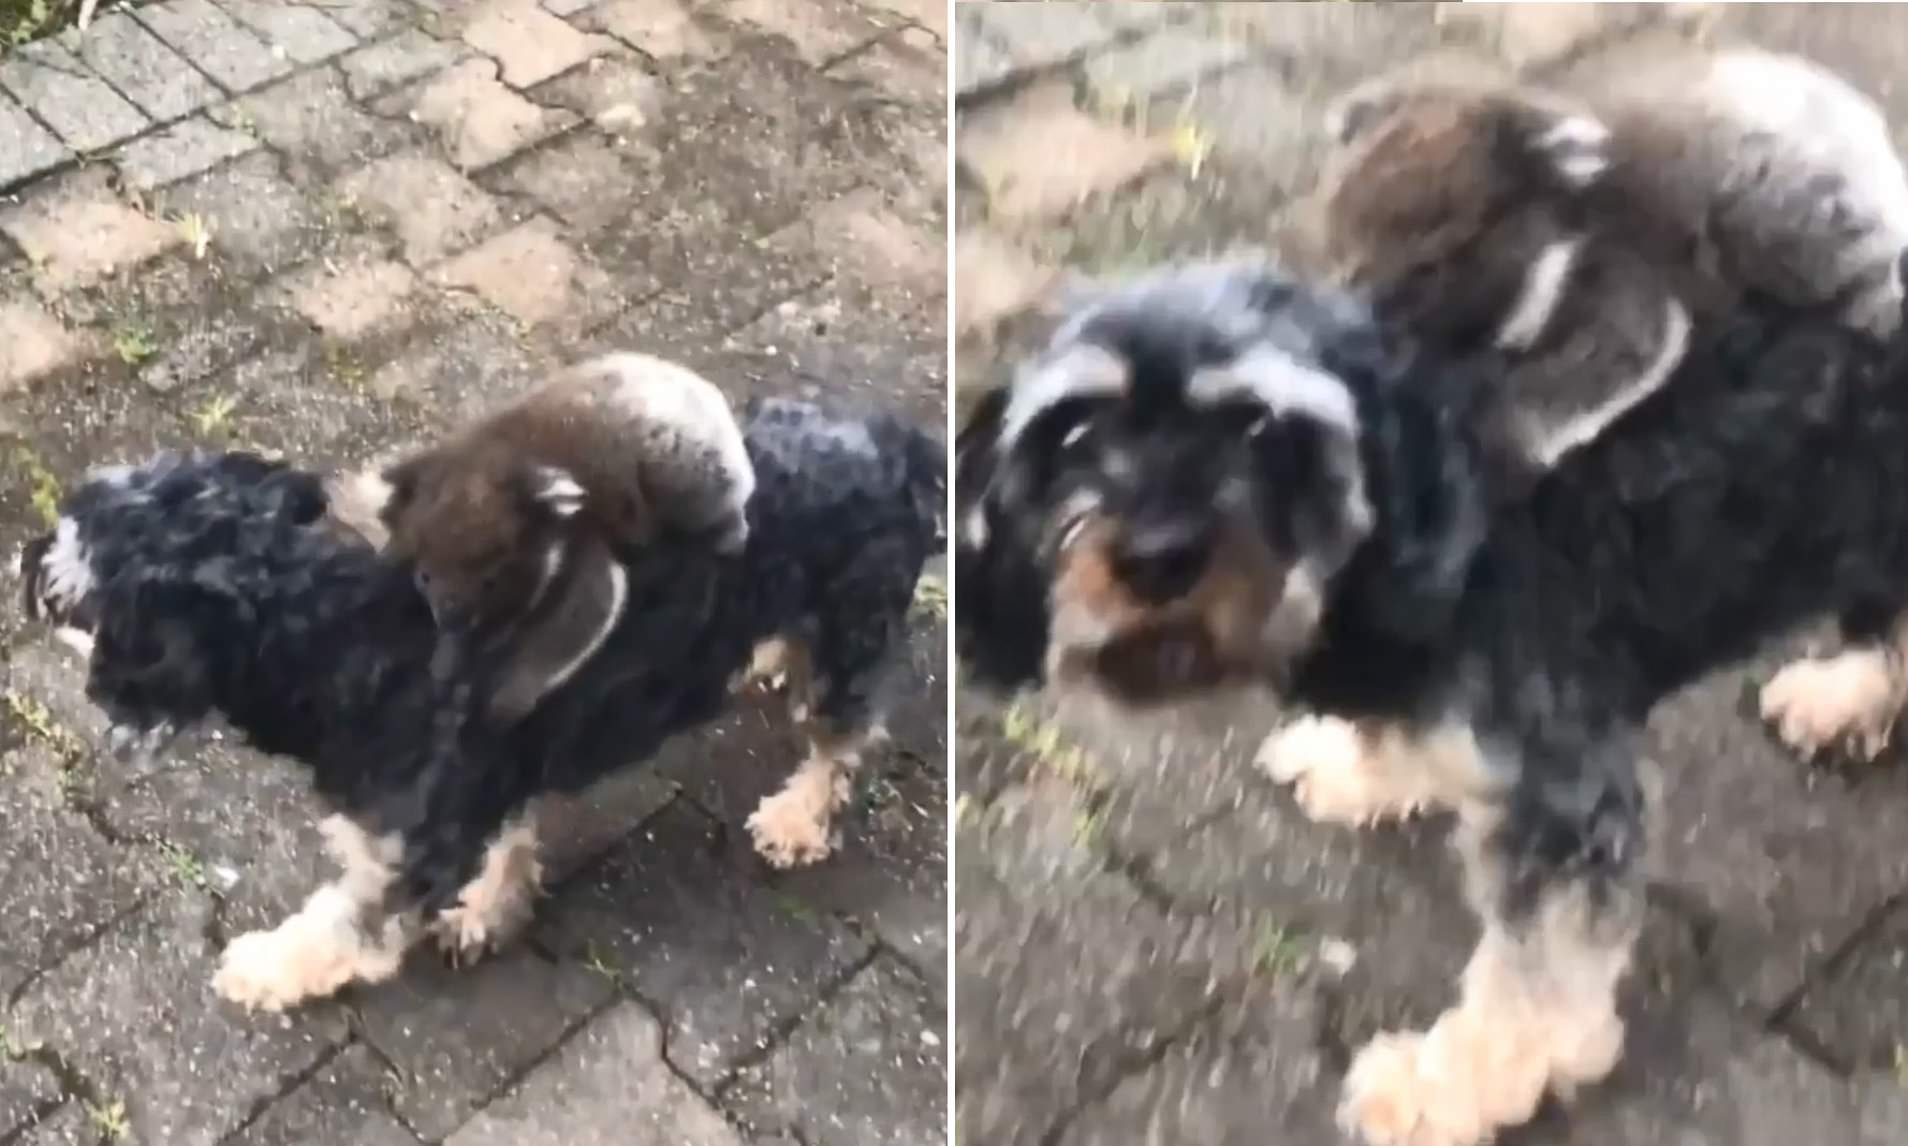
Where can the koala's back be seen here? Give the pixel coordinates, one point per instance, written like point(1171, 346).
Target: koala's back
point(650, 442)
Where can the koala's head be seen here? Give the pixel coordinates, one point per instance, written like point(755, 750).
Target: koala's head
point(484, 528)
point(1441, 197)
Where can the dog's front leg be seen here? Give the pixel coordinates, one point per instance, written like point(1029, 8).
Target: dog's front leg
point(1556, 876)
point(492, 908)
point(341, 935)
point(1364, 772)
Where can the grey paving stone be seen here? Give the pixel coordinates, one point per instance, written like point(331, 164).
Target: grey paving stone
point(80, 108)
point(141, 67)
point(725, 958)
point(28, 1093)
point(1166, 62)
point(566, 7)
point(67, 1126)
point(404, 57)
point(135, 1014)
point(218, 46)
point(607, 1086)
point(581, 178)
point(184, 149)
point(455, 1037)
point(312, 119)
point(300, 32)
point(259, 220)
point(868, 1066)
point(1857, 1012)
point(997, 42)
point(434, 210)
point(26, 148)
point(369, 18)
point(343, 1105)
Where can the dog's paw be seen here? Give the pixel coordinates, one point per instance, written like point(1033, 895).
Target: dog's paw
point(464, 936)
point(261, 971)
point(1391, 1099)
point(789, 831)
point(1846, 703)
point(1323, 758)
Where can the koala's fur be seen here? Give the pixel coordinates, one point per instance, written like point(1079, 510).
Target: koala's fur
point(1582, 227)
point(616, 450)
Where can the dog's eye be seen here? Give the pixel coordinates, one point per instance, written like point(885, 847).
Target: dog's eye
point(1258, 427)
point(1074, 436)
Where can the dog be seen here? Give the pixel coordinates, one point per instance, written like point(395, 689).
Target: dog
point(1584, 224)
point(227, 585)
point(595, 462)
point(1216, 476)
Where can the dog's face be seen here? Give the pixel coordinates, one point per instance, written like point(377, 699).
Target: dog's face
point(484, 529)
point(1158, 503)
point(1451, 207)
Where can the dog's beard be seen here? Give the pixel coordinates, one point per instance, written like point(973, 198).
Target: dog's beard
point(1245, 621)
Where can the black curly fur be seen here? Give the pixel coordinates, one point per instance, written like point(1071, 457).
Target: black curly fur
point(216, 587)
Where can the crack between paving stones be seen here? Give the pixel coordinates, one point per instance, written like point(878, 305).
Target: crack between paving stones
point(40, 1113)
point(286, 1085)
point(780, 1031)
point(78, 946)
point(1018, 80)
point(1783, 1020)
point(74, 1087)
point(513, 1078)
point(1125, 1066)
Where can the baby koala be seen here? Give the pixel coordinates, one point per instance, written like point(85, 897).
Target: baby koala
point(1581, 228)
point(523, 518)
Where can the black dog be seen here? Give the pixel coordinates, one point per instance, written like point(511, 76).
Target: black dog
point(1215, 475)
point(221, 585)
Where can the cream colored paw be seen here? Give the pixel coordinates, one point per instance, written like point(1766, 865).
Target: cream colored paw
point(1324, 759)
point(464, 935)
point(789, 831)
point(1392, 1099)
point(273, 971)
point(1847, 702)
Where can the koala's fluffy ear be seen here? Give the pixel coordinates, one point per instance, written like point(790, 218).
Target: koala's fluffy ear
point(556, 490)
point(1571, 147)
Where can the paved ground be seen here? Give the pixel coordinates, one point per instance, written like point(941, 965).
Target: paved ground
point(333, 227)
point(1152, 945)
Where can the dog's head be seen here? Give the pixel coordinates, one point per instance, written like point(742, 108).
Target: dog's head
point(1160, 502)
point(483, 527)
point(1454, 206)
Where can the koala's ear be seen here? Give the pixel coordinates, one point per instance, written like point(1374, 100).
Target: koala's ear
point(556, 490)
point(1351, 114)
point(1571, 148)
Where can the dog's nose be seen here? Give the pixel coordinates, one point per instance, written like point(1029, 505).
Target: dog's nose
point(1161, 562)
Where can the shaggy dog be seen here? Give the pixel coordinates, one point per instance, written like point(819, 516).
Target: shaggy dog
point(1217, 475)
point(220, 585)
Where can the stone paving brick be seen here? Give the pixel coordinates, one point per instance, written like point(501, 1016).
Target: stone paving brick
point(479, 120)
point(140, 66)
point(869, 1066)
point(532, 45)
point(28, 1093)
point(726, 959)
point(927, 13)
point(299, 32)
point(909, 63)
point(867, 243)
point(456, 1036)
point(64, 881)
point(33, 342)
point(1166, 62)
point(369, 18)
point(615, 92)
point(461, 371)
point(214, 43)
point(1037, 155)
point(433, 209)
point(186, 148)
point(996, 44)
point(531, 274)
point(607, 1086)
point(259, 221)
point(575, 829)
point(660, 29)
point(135, 1014)
point(311, 118)
point(582, 179)
point(76, 230)
point(67, 1126)
point(343, 1105)
point(566, 7)
point(80, 108)
point(408, 55)
point(820, 30)
point(26, 148)
point(349, 298)
point(1857, 1012)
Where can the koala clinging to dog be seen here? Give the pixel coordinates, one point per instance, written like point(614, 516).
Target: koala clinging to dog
point(1579, 228)
point(517, 523)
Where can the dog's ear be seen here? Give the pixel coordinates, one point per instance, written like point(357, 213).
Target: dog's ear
point(1001, 618)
